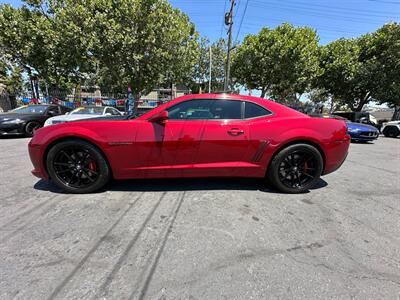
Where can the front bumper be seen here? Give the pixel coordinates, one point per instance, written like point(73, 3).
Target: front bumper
point(35, 154)
point(364, 136)
point(6, 129)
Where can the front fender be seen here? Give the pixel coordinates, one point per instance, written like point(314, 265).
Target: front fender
point(45, 137)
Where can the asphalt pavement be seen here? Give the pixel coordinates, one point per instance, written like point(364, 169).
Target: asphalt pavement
point(203, 239)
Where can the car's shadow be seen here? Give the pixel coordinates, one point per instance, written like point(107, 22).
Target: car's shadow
point(13, 136)
point(182, 184)
point(363, 142)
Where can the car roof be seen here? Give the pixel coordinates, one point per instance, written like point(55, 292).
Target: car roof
point(275, 107)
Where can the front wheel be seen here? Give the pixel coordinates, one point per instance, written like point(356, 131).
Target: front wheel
point(30, 128)
point(296, 168)
point(391, 131)
point(77, 166)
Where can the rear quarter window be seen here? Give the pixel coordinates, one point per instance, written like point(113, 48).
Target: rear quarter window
point(253, 110)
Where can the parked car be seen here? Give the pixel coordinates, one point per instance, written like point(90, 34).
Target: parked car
point(239, 136)
point(84, 112)
point(362, 132)
point(25, 120)
point(391, 129)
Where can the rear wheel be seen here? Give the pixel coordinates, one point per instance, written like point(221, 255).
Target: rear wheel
point(77, 166)
point(391, 131)
point(30, 127)
point(296, 169)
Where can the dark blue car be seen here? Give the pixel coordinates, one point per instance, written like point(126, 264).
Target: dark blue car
point(362, 132)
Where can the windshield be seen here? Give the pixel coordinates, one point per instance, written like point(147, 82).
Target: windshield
point(88, 111)
point(32, 109)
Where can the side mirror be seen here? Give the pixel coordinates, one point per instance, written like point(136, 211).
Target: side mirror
point(160, 118)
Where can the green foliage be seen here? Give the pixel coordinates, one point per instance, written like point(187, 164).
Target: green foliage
point(10, 76)
point(380, 54)
point(280, 62)
point(357, 71)
point(200, 76)
point(140, 42)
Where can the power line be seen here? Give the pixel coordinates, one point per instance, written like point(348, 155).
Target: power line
point(241, 21)
point(223, 19)
point(329, 7)
point(325, 12)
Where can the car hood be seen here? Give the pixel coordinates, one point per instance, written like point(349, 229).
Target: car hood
point(109, 118)
point(67, 118)
point(359, 126)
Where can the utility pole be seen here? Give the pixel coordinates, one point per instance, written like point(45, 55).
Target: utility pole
point(209, 77)
point(229, 22)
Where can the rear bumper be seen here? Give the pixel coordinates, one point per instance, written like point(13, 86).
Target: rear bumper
point(336, 153)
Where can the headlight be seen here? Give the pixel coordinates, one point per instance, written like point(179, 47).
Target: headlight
point(14, 121)
point(352, 129)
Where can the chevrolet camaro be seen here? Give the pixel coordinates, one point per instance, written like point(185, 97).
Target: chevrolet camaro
point(206, 135)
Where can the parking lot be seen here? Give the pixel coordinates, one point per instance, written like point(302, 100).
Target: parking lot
point(203, 239)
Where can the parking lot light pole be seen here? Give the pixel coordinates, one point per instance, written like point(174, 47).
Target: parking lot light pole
point(210, 76)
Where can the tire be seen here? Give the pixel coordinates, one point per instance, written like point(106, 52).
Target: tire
point(391, 131)
point(296, 168)
point(30, 128)
point(77, 167)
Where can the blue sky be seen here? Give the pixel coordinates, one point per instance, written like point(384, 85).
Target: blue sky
point(331, 18)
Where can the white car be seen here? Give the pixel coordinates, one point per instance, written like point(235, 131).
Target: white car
point(84, 112)
point(391, 129)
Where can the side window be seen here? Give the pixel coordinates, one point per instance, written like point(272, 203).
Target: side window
point(252, 110)
point(227, 109)
point(191, 110)
point(53, 110)
point(64, 109)
point(115, 112)
point(108, 111)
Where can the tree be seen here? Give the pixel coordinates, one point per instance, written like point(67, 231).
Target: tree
point(357, 71)
point(280, 62)
point(339, 81)
point(141, 43)
point(10, 75)
point(380, 52)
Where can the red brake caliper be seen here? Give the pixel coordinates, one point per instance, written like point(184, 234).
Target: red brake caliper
point(92, 166)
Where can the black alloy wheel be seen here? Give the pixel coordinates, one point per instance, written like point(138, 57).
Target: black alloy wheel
point(77, 166)
point(30, 128)
point(296, 168)
point(391, 131)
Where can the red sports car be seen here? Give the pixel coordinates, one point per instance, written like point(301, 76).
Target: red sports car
point(207, 135)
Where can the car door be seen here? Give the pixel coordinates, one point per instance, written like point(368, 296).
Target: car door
point(166, 150)
point(225, 141)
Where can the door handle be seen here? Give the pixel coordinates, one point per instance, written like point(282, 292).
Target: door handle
point(235, 131)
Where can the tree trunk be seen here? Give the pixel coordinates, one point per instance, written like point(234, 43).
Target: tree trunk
point(363, 102)
point(263, 92)
point(396, 114)
point(136, 98)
